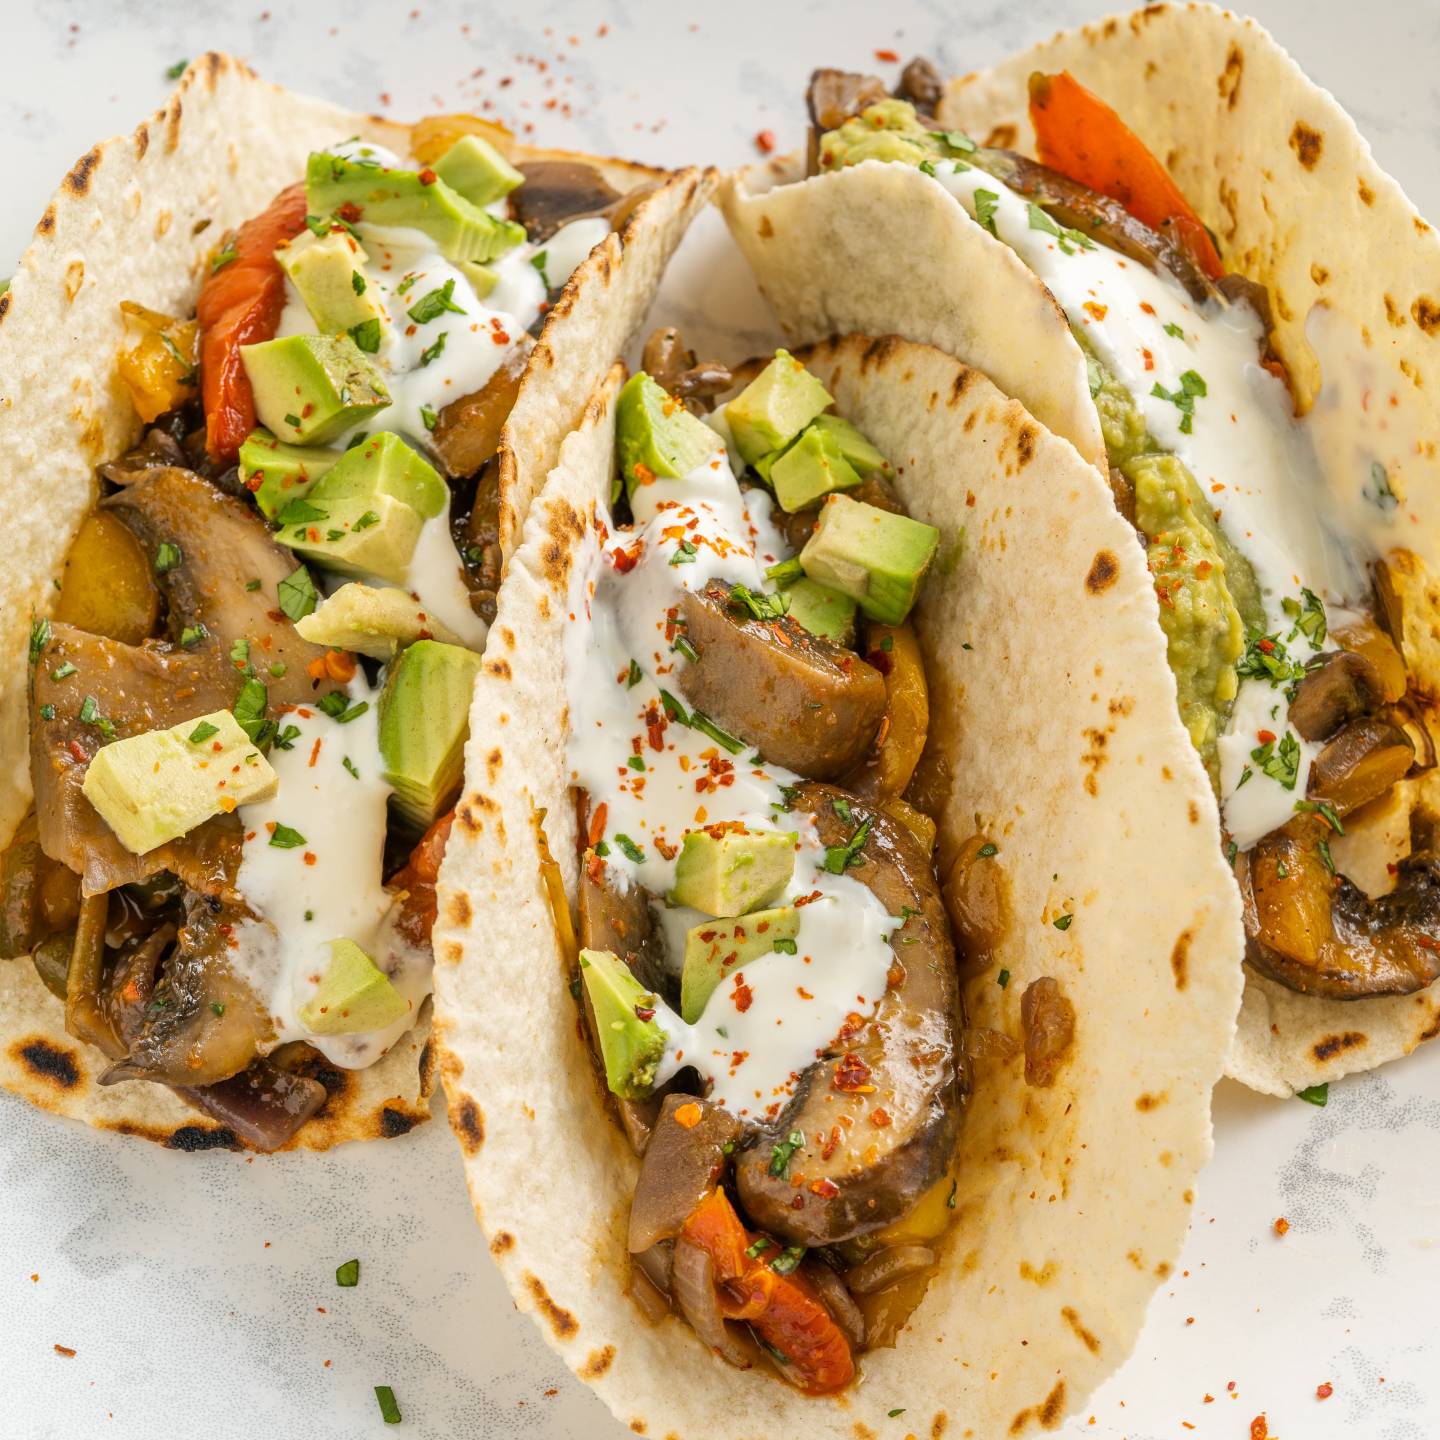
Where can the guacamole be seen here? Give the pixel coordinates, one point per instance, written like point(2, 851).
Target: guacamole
point(888, 130)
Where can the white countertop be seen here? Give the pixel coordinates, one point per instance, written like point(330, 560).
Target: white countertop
point(198, 1290)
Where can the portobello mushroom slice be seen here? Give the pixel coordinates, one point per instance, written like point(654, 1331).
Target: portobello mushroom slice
point(879, 1112)
point(556, 192)
point(467, 433)
point(803, 701)
point(264, 1105)
point(683, 1163)
point(1339, 687)
point(834, 96)
point(1361, 763)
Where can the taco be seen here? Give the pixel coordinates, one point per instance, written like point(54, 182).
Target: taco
point(1243, 339)
point(277, 382)
point(788, 842)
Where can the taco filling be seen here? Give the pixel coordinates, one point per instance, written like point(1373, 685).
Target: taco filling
point(765, 962)
point(249, 705)
point(1284, 642)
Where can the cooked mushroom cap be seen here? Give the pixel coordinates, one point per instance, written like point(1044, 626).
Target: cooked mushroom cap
point(1340, 687)
point(802, 701)
point(880, 1111)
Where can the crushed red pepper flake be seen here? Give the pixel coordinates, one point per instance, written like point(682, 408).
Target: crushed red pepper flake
point(1282, 1226)
point(66, 1351)
point(1325, 1391)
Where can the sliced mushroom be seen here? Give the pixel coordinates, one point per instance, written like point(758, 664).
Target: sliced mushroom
point(467, 433)
point(622, 922)
point(834, 96)
point(922, 85)
point(683, 1163)
point(805, 702)
point(1366, 638)
point(1316, 933)
point(158, 448)
point(264, 1105)
point(38, 897)
point(556, 192)
point(1362, 762)
point(894, 650)
point(1337, 688)
point(673, 367)
point(880, 1111)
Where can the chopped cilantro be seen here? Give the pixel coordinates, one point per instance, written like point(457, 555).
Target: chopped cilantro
point(1192, 388)
point(634, 676)
point(202, 732)
point(1266, 657)
point(839, 858)
point(434, 352)
point(786, 947)
point(635, 762)
point(300, 512)
point(630, 849)
point(1065, 237)
point(702, 722)
point(249, 711)
point(683, 645)
point(63, 672)
point(282, 837)
point(760, 605)
point(1309, 617)
point(347, 1276)
point(366, 335)
point(167, 556)
point(240, 656)
point(175, 71)
point(1378, 491)
point(192, 635)
point(674, 709)
point(986, 203)
point(1171, 328)
point(47, 712)
point(1280, 762)
point(368, 519)
point(39, 637)
point(1063, 922)
point(434, 304)
point(788, 1259)
point(1322, 849)
point(786, 572)
point(753, 1251)
point(389, 1410)
point(956, 140)
point(297, 594)
point(987, 850)
point(221, 258)
point(285, 739)
point(349, 764)
point(1003, 979)
point(252, 585)
point(927, 168)
point(428, 417)
point(781, 1152)
point(338, 707)
point(1325, 810)
point(684, 554)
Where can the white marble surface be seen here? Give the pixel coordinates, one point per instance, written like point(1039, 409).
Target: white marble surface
point(198, 1291)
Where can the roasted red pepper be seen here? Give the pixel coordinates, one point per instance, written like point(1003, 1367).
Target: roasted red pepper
point(240, 304)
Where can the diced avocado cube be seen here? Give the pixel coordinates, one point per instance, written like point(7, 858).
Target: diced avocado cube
point(716, 950)
point(774, 407)
point(809, 470)
point(876, 557)
point(424, 721)
point(481, 277)
point(354, 995)
point(358, 537)
point(731, 872)
point(277, 473)
point(822, 611)
point(310, 388)
point(376, 620)
point(477, 170)
point(632, 1044)
point(384, 465)
point(157, 786)
point(415, 200)
point(656, 437)
point(329, 272)
point(850, 443)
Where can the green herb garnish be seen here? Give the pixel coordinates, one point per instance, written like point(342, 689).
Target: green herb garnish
point(781, 1152)
point(434, 352)
point(282, 837)
point(202, 732)
point(366, 335)
point(839, 858)
point(389, 1410)
point(788, 1259)
point(434, 304)
point(986, 203)
point(1063, 922)
point(338, 707)
point(1067, 239)
point(1315, 1094)
point(347, 1276)
point(630, 849)
point(1192, 388)
point(167, 556)
point(297, 594)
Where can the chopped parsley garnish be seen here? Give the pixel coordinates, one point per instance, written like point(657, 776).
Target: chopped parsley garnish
point(1322, 849)
point(634, 676)
point(1065, 237)
point(782, 1150)
point(630, 849)
point(349, 764)
point(538, 261)
point(786, 947)
point(222, 258)
point(167, 556)
point(39, 637)
point(899, 1410)
point(175, 71)
point(702, 722)
point(956, 140)
point(1378, 491)
point(760, 605)
point(293, 421)
point(338, 707)
point(926, 168)
point(428, 417)
point(786, 572)
point(366, 335)
point(434, 352)
point(1282, 870)
point(1003, 979)
point(1309, 617)
point(63, 672)
point(1192, 388)
point(841, 806)
point(202, 732)
point(282, 837)
point(1171, 328)
point(753, 1251)
point(987, 850)
point(249, 711)
point(217, 1006)
point(788, 1259)
point(188, 374)
point(601, 848)
point(839, 858)
point(434, 304)
point(277, 669)
point(192, 635)
point(1325, 810)
point(240, 656)
point(685, 553)
point(1266, 657)
point(357, 282)
point(986, 203)
point(90, 715)
point(674, 709)
point(368, 519)
point(1280, 762)
point(404, 286)
point(358, 438)
point(1231, 850)
point(389, 1410)
point(286, 738)
point(300, 512)
point(787, 798)
point(47, 712)
point(635, 762)
point(683, 645)
point(347, 1276)
point(297, 594)
point(252, 585)
point(1063, 922)
point(1315, 1094)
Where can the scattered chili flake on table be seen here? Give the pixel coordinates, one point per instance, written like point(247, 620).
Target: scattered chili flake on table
point(765, 141)
point(1282, 1226)
point(888, 56)
point(1259, 1430)
point(1325, 1391)
point(66, 1351)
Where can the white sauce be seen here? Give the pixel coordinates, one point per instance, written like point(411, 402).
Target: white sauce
point(793, 1005)
point(1243, 447)
point(329, 887)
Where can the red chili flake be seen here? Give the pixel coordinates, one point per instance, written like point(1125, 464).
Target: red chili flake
point(1090, 307)
point(852, 1074)
point(597, 824)
point(798, 1203)
point(655, 723)
point(66, 1351)
point(255, 481)
point(428, 176)
point(309, 857)
point(744, 996)
point(1149, 358)
point(1282, 1226)
point(1325, 1391)
point(350, 212)
point(765, 141)
point(78, 751)
point(831, 1144)
point(1259, 1430)
point(888, 56)
point(644, 1012)
point(826, 1189)
point(624, 560)
point(809, 899)
point(315, 752)
point(880, 1116)
point(1266, 644)
point(1265, 737)
point(1147, 307)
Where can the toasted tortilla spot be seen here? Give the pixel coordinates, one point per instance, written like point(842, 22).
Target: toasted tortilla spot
point(1367, 195)
point(561, 1321)
point(1147, 1102)
point(1194, 812)
point(470, 1124)
point(939, 1425)
point(142, 141)
point(1333, 1045)
point(498, 667)
point(193, 1139)
point(502, 1242)
point(1047, 1414)
point(394, 1123)
point(493, 762)
point(1307, 144)
point(1393, 313)
point(49, 1061)
point(1103, 570)
point(1087, 1337)
point(1025, 445)
point(1180, 960)
point(1426, 312)
point(77, 182)
point(1002, 137)
point(597, 1362)
point(765, 229)
point(1043, 1276)
point(1228, 83)
point(1318, 273)
point(47, 221)
point(458, 911)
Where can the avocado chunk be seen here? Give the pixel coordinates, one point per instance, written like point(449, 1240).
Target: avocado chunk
point(851, 444)
point(355, 537)
point(310, 388)
point(416, 200)
point(731, 872)
point(821, 610)
point(354, 995)
point(774, 407)
point(376, 620)
point(159, 785)
point(631, 1043)
point(809, 470)
point(329, 272)
point(716, 950)
point(384, 465)
point(474, 168)
point(481, 277)
point(277, 473)
point(424, 722)
point(876, 557)
point(656, 437)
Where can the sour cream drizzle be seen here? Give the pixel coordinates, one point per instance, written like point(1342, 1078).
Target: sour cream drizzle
point(1246, 451)
point(769, 1021)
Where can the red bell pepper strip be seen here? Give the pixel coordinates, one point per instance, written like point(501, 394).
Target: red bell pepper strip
point(1079, 135)
point(784, 1310)
point(417, 879)
point(240, 304)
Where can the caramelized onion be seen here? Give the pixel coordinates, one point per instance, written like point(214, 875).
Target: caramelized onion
point(838, 1301)
point(1047, 1020)
point(264, 1105)
point(693, 1278)
point(887, 1266)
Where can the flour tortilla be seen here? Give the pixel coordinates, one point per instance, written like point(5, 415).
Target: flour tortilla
point(1072, 1201)
point(1285, 180)
point(135, 219)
